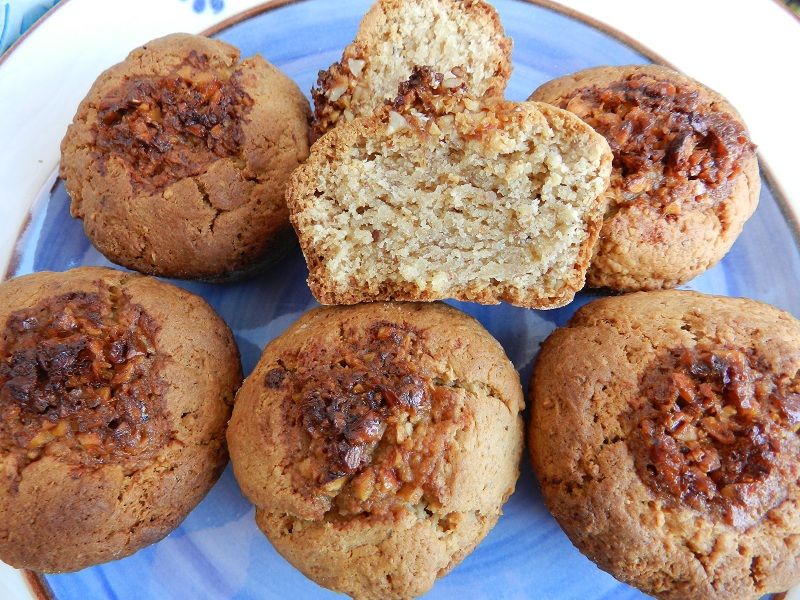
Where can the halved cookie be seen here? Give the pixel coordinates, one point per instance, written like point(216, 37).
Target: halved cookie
point(441, 195)
point(394, 37)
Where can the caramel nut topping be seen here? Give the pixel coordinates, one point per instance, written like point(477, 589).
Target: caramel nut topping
point(79, 380)
point(424, 95)
point(668, 145)
point(170, 127)
point(373, 426)
point(716, 430)
point(434, 104)
point(334, 91)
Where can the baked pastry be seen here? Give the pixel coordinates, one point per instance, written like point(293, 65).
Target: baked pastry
point(115, 390)
point(462, 36)
point(178, 157)
point(685, 175)
point(378, 443)
point(440, 195)
point(664, 436)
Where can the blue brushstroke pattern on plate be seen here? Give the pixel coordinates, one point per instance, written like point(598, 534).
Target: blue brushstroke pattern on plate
point(218, 552)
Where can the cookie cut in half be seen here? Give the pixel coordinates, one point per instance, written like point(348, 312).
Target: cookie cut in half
point(685, 176)
point(664, 434)
point(379, 443)
point(396, 35)
point(441, 195)
point(115, 392)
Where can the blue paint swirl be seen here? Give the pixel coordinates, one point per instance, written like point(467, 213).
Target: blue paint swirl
point(200, 6)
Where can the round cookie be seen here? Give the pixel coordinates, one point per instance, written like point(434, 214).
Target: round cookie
point(115, 390)
point(685, 176)
point(178, 158)
point(664, 436)
point(378, 443)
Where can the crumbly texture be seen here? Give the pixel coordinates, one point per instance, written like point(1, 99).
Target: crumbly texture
point(664, 436)
point(444, 196)
point(177, 159)
point(685, 175)
point(378, 443)
point(461, 35)
point(115, 390)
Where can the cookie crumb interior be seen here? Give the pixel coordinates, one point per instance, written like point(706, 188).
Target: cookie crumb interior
point(458, 197)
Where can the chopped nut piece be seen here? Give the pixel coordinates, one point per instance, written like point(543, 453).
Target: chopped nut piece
point(396, 123)
point(355, 66)
point(363, 485)
point(335, 93)
point(335, 485)
point(89, 439)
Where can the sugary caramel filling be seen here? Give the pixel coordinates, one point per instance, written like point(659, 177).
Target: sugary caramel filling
point(79, 380)
point(170, 127)
point(668, 144)
point(369, 428)
point(715, 429)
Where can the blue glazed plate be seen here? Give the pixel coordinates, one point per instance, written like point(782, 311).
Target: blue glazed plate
point(218, 552)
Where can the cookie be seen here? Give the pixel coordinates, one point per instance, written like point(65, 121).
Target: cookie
point(115, 390)
point(442, 195)
point(458, 36)
point(685, 175)
point(664, 436)
point(178, 157)
point(378, 443)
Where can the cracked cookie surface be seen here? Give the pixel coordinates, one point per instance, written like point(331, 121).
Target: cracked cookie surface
point(378, 443)
point(178, 157)
point(664, 436)
point(115, 390)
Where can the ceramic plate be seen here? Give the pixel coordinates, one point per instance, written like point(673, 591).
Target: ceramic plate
point(218, 552)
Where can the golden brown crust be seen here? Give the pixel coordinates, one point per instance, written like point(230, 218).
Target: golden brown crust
point(585, 434)
point(469, 403)
point(351, 87)
point(201, 213)
point(640, 246)
point(424, 107)
point(57, 515)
